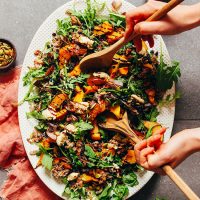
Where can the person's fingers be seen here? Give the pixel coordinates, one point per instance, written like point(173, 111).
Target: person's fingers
point(138, 147)
point(138, 44)
point(153, 140)
point(141, 145)
point(158, 159)
point(150, 40)
point(129, 26)
point(154, 27)
point(137, 14)
point(161, 131)
point(144, 153)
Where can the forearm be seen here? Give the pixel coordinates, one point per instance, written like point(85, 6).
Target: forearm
point(195, 140)
point(194, 16)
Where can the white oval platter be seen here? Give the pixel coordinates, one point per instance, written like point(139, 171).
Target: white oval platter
point(43, 35)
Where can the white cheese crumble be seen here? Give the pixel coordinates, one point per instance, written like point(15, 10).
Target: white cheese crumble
point(71, 128)
point(72, 176)
point(85, 40)
point(61, 139)
point(101, 75)
point(48, 115)
point(115, 166)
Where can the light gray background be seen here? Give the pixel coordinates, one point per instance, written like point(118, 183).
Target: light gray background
point(20, 19)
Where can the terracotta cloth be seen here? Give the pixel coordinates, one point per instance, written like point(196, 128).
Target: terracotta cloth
point(22, 183)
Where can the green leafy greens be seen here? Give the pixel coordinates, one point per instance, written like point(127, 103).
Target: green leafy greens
point(166, 75)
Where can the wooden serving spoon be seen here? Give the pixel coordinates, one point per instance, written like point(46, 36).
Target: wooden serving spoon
point(123, 127)
point(101, 59)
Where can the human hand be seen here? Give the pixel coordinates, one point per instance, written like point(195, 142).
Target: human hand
point(151, 156)
point(179, 19)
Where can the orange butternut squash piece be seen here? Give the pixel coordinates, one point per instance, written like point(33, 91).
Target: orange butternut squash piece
point(156, 128)
point(87, 178)
point(57, 101)
point(113, 70)
point(95, 135)
point(130, 157)
point(40, 160)
point(115, 36)
point(144, 48)
point(148, 65)
point(123, 70)
point(66, 165)
point(79, 95)
point(103, 29)
point(90, 89)
point(98, 108)
point(116, 110)
point(61, 114)
point(45, 143)
point(76, 71)
point(149, 124)
point(121, 59)
point(107, 152)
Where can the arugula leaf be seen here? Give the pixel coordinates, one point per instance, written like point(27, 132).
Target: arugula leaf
point(83, 126)
point(149, 133)
point(64, 27)
point(105, 194)
point(33, 73)
point(89, 152)
point(120, 192)
point(117, 19)
point(170, 99)
point(166, 75)
point(75, 160)
point(130, 179)
point(43, 149)
point(70, 82)
point(72, 194)
point(42, 126)
point(35, 114)
point(152, 116)
point(47, 161)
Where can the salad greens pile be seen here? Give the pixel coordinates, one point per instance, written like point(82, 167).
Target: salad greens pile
point(69, 104)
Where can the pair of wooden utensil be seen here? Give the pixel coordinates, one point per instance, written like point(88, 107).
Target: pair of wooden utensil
point(104, 59)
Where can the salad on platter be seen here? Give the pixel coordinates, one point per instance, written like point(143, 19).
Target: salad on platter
point(69, 104)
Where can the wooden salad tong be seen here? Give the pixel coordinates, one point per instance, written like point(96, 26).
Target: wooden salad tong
point(101, 59)
point(122, 126)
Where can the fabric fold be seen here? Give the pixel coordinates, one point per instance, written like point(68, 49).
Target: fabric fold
point(22, 182)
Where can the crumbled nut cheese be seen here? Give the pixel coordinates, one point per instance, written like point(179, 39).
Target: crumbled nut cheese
point(137, 98)
point(61, 139)
point(72, 176)
point(48, 115)
point(115, 166)
point(81, 107)
point(112, 146)
point(71, 128)
point(62, 72)
point(85, 40)
point(101, 75)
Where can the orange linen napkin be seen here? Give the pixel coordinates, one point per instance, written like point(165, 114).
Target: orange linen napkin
point(22, 183)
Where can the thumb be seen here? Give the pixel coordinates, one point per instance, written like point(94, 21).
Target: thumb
point(150, 28)
point(155, 161)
